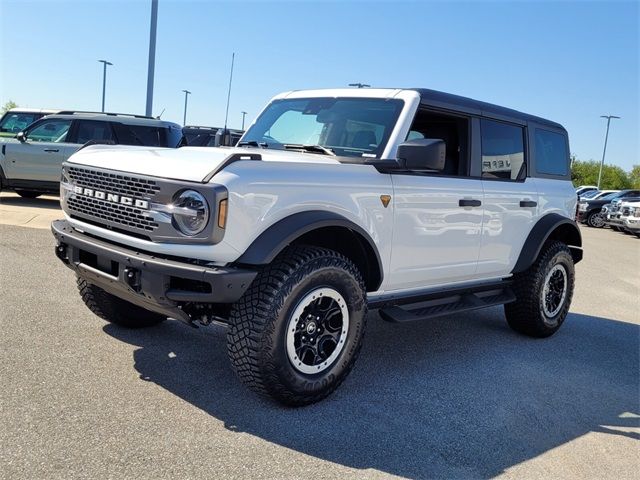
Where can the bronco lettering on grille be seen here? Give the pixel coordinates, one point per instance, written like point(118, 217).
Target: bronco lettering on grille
point(111, 197)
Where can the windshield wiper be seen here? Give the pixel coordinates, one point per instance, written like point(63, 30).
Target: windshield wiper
point(252, 143)
point(309, 148)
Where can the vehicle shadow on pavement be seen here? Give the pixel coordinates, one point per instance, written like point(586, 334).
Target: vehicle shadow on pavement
point(452, 397)
point(48, 202)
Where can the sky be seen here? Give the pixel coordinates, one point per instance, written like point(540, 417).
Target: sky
point(568, 61)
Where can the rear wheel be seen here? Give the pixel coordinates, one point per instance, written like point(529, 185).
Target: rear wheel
point(595, 219)
point(296, 333)
point(28, 193)
point(115, 310)
point(543, 293)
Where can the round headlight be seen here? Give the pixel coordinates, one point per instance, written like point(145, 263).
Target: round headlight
point(190, 212)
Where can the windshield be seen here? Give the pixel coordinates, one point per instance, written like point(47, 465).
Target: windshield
point(610, 196)
point(354, 127)
point(590, 193)
point(15, 122)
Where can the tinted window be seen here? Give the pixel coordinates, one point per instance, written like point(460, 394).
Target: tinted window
point(92, 130)
point(150, 136)
point(502, 150)
point(54, 130)
point(17, 122)
point(551, 153)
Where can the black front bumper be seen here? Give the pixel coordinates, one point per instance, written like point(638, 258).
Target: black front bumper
point(151, 282)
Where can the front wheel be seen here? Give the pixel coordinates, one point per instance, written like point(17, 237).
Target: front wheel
point(595, 220)
point(115, 310)
point(543, 293)
point(297, 331)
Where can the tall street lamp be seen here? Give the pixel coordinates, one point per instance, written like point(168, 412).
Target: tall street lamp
point(604, 152)
point(152, 57)
point(186, 96)
point(243, 115)
point(104, 79)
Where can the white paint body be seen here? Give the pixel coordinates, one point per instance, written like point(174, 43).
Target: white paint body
point(424, 238)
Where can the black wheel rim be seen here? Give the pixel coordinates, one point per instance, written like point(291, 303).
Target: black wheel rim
point(554, 292)
point(317, 330)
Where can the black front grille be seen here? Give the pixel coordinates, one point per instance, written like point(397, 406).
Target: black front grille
point(113, 182)
point(626, 211)
point(124, 215)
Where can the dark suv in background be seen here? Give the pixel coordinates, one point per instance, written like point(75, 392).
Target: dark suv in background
point(590, 211)
point(195, 136)
point(30, 164)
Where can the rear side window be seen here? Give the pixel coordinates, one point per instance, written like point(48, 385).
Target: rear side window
point(150, 136)
point(93, 130)
point(552, 156)
point(502, 150)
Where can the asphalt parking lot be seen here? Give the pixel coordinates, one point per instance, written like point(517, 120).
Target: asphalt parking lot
point(456, 397)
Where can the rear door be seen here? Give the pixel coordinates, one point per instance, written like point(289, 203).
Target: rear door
point(510, 197)
point(39, 158)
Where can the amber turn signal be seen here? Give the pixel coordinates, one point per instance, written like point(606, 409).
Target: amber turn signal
point(222, 213)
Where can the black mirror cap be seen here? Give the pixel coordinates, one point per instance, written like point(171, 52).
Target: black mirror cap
point(422, 154)
point(21, 136)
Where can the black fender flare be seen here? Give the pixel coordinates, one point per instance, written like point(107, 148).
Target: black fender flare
point(284, 232)
point(562, 228)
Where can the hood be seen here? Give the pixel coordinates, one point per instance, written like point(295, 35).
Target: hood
point(186, 163)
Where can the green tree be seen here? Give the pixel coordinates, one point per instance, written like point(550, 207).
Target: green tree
point(586, 173)
point(634, 176)
point(8, 106)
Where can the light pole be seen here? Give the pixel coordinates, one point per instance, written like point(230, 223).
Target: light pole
point(243, 115)
point(186, 95)
point(104, 79)
point(359, 85)
point(604, 152)
point(152, 56)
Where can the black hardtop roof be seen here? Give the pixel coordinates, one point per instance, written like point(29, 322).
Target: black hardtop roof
point(442, 99)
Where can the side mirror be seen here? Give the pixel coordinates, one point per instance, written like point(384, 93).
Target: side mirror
point(21, 136)
point(422, 154)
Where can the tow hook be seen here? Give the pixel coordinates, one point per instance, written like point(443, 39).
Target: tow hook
point(132, 277)
point(61, 253)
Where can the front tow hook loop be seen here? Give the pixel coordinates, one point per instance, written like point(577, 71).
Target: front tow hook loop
point(61, 253)
point(132, 277)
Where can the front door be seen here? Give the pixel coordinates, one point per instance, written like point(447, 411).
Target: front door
point(436, 237)
point(40, 156)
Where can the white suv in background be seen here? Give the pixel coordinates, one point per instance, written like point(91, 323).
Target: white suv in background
point(410, 201)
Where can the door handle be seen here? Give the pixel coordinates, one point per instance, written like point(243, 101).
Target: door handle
point(51, 150)
point(463, 202)
point(528, 203)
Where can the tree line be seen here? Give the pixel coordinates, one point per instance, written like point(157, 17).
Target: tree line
point(613, 177)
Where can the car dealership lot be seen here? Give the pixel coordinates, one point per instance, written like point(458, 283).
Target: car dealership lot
point(456, 397)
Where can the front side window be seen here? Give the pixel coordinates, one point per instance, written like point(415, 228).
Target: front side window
point(54, 130)
point(17, 122)
point(355, 127)
point(93, 130)
point(552, 156)
point(502, 150)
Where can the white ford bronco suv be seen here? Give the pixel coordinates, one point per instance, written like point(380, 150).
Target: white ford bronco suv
point(410, 201)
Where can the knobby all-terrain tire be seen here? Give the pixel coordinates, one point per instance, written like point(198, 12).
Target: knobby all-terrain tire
point(526, 315)
point(259, 324)
point(115, 310)
point(28, 193)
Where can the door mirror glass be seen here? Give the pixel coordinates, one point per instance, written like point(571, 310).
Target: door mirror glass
point(422, 154)
point(22, 137)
